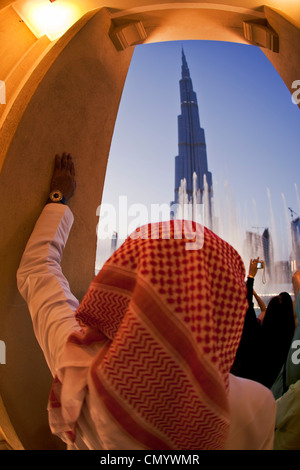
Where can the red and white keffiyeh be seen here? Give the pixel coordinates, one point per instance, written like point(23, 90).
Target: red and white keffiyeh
point(172, 319)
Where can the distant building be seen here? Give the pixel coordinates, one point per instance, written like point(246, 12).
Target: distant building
point(193, 181)
point(114, 242)
point(282, 272)
point(268, 253)
point(295, 255)
point(260, 245)
point(253, 246)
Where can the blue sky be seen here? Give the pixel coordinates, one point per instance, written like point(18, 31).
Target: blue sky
point(251, 128)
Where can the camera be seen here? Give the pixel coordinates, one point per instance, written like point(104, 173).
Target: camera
point(260, 265)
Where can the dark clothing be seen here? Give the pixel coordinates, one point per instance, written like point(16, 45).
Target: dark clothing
point(264, 346)
point(245, 364)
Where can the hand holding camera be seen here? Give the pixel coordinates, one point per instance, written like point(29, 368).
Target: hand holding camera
point(260, 265)
point(255, 264)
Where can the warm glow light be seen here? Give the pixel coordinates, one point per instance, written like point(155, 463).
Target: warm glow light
point(46, 18)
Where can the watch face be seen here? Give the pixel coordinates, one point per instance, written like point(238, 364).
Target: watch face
point(56, 196)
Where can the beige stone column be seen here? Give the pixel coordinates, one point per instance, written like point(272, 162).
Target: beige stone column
point(69, 103)
point(287, 60)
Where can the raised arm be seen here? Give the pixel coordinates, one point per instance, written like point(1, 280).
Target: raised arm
point(252, 271)
point(251, 324)
point(40, 278)
point(261, 305)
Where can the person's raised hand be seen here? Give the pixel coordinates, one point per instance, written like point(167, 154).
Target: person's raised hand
point(63, 178)
point(253, 267)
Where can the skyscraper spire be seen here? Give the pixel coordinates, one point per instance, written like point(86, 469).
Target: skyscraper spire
point(185, 73)
point(191, 162)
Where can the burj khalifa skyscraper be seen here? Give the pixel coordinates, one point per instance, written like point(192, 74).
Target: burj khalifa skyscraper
point(192, 177)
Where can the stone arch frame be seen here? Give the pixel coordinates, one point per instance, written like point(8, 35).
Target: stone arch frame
point(70, 99)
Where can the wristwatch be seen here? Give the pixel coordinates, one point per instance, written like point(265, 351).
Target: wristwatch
point(57, 196)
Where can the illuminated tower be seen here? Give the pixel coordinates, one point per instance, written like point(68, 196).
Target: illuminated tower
point(191, 169)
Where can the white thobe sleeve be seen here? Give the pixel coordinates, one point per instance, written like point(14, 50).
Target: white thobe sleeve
point(44, 287)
